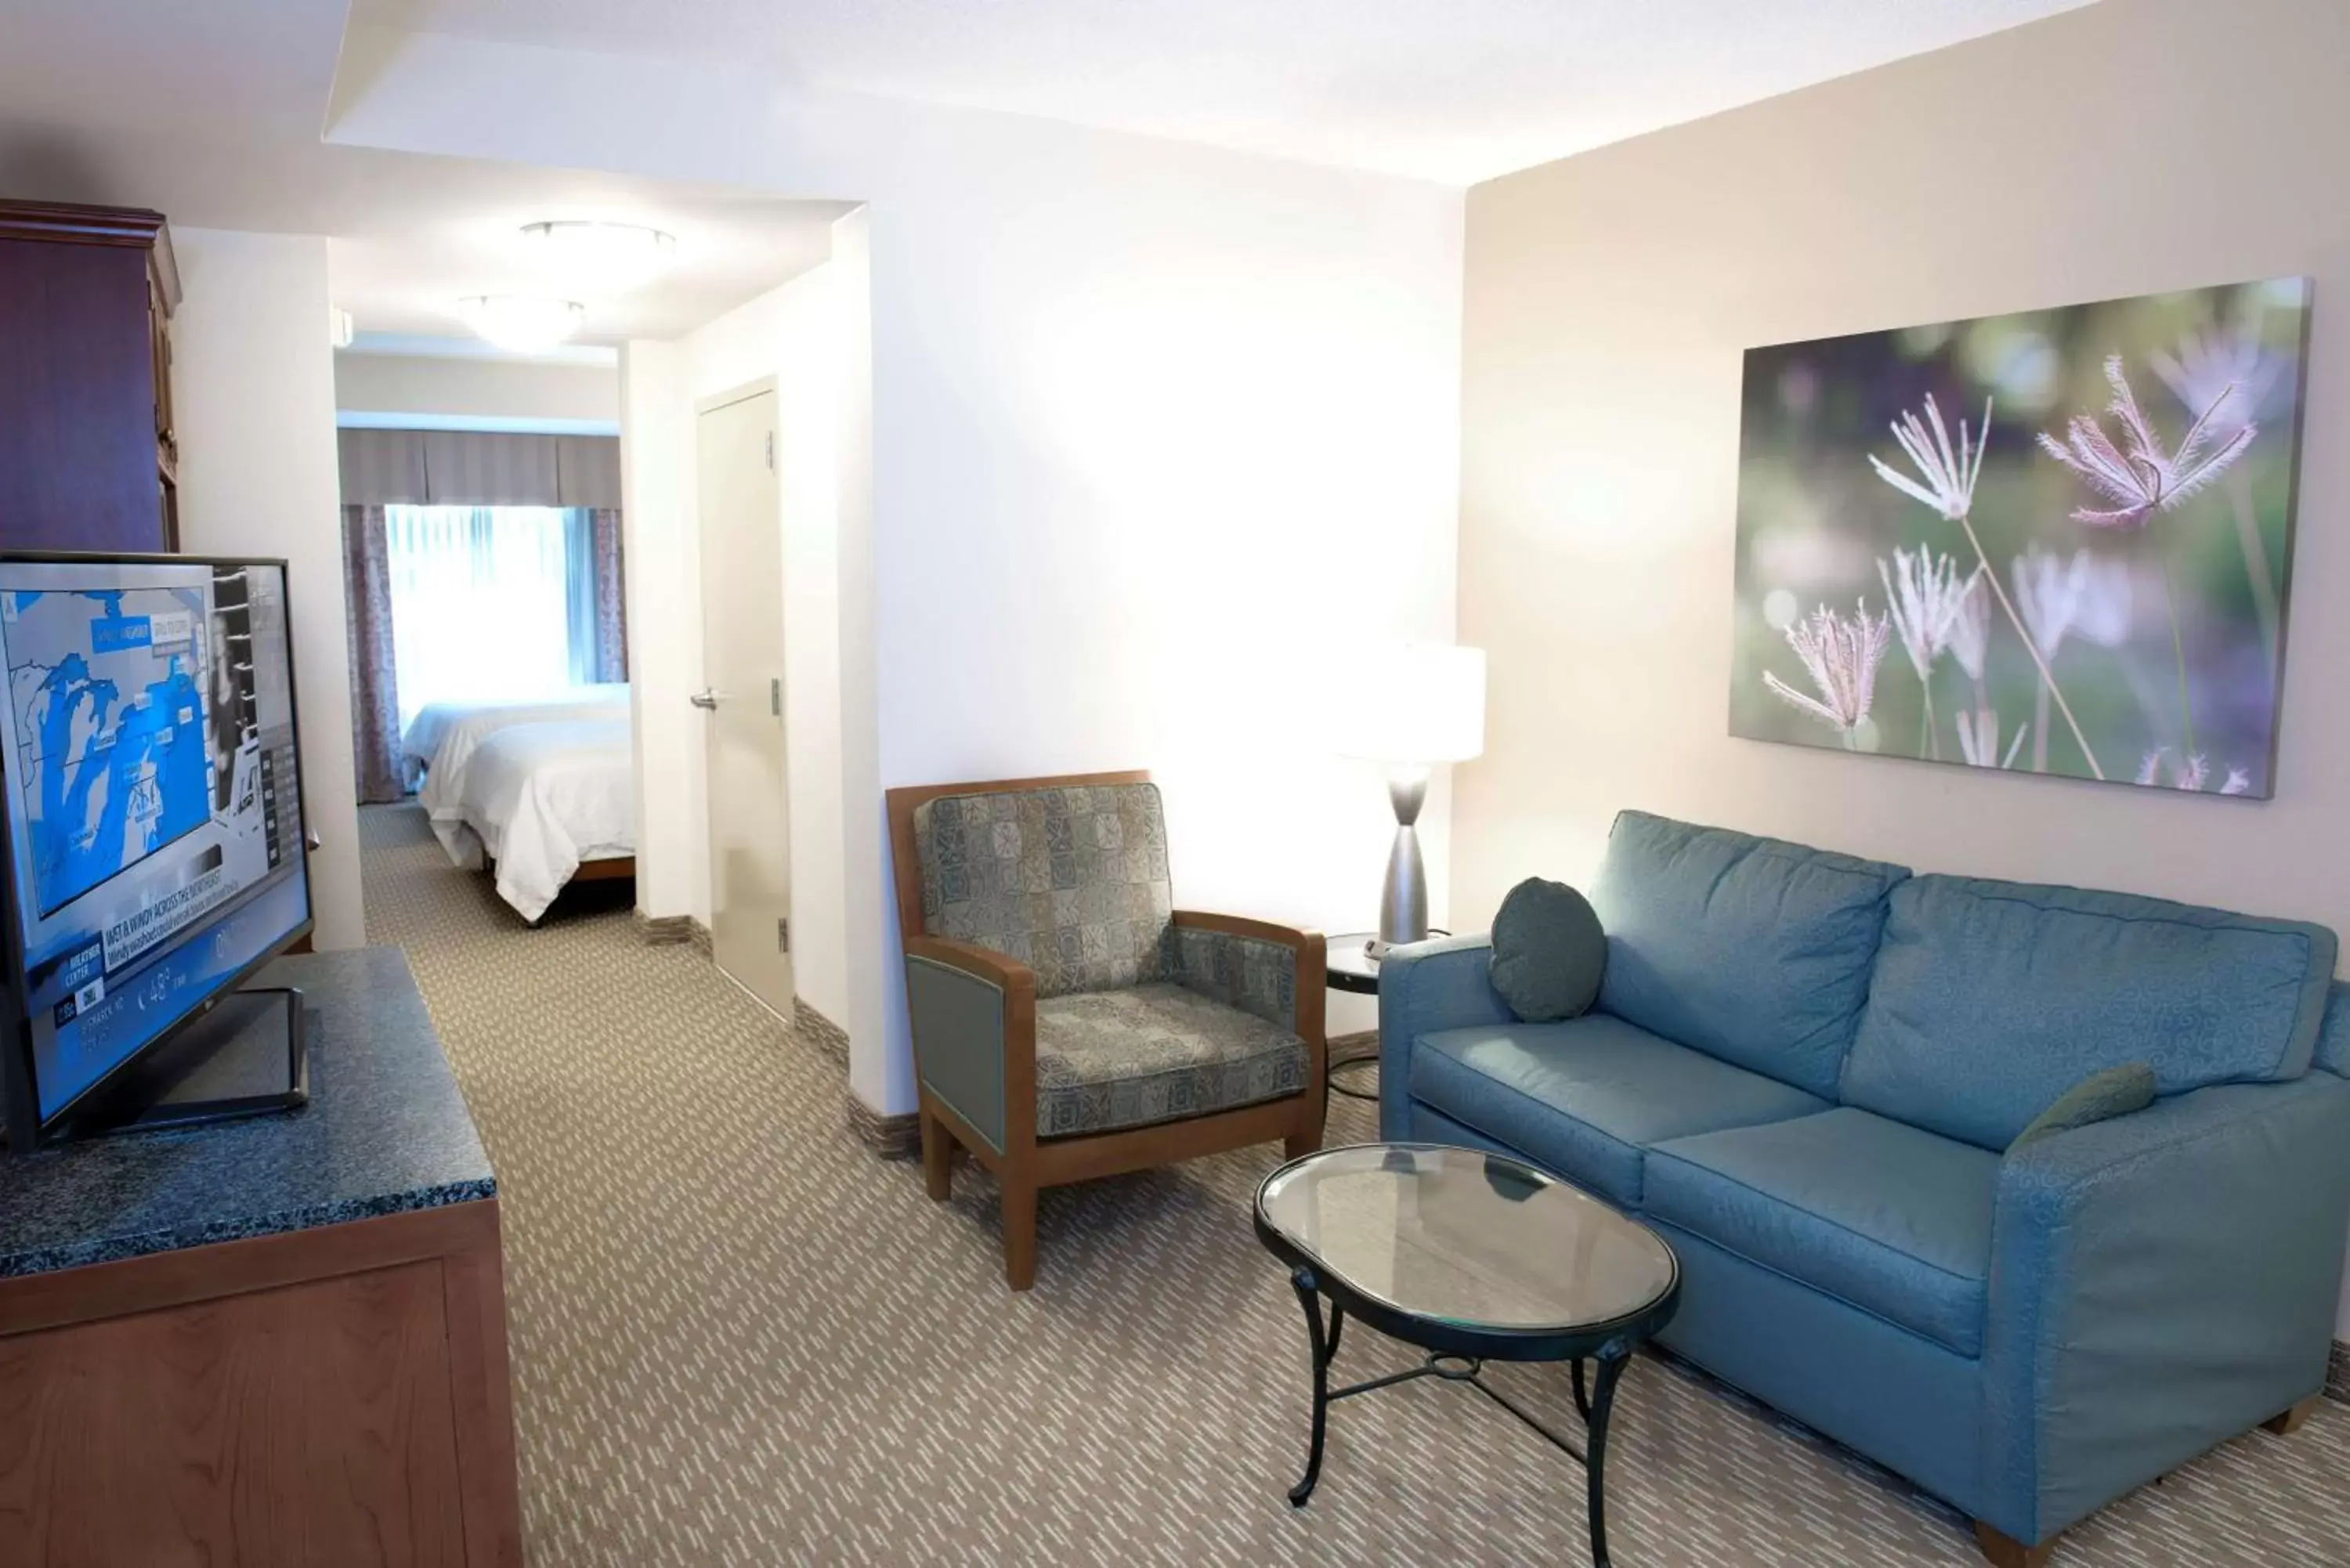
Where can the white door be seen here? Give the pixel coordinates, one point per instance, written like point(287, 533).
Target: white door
point(742, 667)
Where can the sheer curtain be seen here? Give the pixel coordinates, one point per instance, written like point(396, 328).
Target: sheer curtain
point(484, 601)
point(579, 592)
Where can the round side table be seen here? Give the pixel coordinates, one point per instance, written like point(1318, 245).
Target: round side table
point(1353, 969)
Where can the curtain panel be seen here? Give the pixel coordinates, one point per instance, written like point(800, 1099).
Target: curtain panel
point(611, 596)
point(374, 685)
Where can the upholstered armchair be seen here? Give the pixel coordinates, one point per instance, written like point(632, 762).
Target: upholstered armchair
point(1069, 1021)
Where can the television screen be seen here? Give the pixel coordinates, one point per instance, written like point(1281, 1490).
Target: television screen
point(153, 815)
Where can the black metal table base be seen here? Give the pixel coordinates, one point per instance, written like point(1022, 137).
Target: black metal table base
point(1336, 1076)
point(1592, 1406)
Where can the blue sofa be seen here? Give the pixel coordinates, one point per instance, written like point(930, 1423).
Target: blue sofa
point(1805, 1069)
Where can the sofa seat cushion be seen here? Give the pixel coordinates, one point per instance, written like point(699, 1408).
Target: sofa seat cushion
point(1155, 1053)
point(1990, 999)
point(1751, 949)
point(1887, 1217)
point(1586, 1097)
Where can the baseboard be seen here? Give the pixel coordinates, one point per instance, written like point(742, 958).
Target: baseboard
point(699, 935)
point(2337, 1374)
point(661, 930)
point(891, 1137)
point(820, 1031)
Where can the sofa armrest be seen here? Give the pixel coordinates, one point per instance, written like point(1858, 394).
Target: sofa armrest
point(972, 1014)
point(1277, 973)
point(2332, 1052)
point(1446, 984)
point(2160, 1283)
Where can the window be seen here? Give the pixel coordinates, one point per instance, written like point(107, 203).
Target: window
point(490, 601)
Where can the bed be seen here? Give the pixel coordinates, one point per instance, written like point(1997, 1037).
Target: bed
point(549, 803)
point(443, 738)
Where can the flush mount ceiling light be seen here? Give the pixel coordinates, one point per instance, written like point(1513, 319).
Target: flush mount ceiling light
point(600, 254)
point(522, 322)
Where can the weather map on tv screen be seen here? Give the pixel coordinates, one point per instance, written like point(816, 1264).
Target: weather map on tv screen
point(110, 733)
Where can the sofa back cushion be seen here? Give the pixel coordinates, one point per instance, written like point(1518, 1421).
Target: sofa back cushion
point(1990, 999)
point(1750, 950)
point(1069, 879)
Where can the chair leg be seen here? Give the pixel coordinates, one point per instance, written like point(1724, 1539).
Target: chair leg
point(1019, 1231)
point(2290, 1421)
point(938, 1158)
point(2006, 1551)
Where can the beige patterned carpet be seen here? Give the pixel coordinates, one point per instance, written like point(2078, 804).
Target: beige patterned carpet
point(738, 1338)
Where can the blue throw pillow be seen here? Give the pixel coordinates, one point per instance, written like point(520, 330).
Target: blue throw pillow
point(2116, 1092)
point(1548, 951)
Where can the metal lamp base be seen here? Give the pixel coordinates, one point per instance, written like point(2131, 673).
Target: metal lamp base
point(1403, 903)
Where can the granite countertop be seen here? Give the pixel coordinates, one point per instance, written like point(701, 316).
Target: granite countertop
point(385, 1131)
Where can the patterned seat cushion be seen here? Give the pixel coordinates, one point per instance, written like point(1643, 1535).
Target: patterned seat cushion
point(1072, 881)
point(1154, 1052)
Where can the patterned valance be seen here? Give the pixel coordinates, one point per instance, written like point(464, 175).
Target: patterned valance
point(472, 468)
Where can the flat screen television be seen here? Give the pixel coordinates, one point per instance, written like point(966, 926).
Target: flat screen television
point(153, 824)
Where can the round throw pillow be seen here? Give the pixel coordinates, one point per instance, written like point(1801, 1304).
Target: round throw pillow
point(1548, 951)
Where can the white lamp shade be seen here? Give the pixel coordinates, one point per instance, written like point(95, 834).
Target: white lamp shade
point(1423, 703)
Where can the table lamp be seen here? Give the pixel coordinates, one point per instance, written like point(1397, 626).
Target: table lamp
point(1425, 704)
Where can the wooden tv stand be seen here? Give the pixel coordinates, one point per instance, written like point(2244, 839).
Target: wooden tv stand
point(279, 1341)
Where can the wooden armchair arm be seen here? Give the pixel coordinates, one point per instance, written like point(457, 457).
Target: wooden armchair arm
point(999, 970)
point(972, 1013)
point(1294, 938)
point(1312, 970)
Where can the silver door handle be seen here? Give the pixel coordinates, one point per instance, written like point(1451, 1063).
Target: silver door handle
point(706, 698)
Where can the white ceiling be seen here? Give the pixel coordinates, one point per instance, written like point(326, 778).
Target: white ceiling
point(1457, 91)
point(413, 234)
point(212, 113)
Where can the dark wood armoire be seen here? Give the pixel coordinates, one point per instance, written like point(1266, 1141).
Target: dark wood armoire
point(87, 459)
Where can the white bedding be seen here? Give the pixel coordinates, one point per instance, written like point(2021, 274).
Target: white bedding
point(444, 736)
point(423, 736)
point(541, 798)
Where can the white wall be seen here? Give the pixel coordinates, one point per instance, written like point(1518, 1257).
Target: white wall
point(476, 388)
point(790, 334)
point(809, 387)
point(252, 390)
point(1159, 434)
point(2132, 147)
point(1167, 439)
point(663, 590)
point(876, 993)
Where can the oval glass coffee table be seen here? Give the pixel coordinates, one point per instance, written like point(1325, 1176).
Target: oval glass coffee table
point(1472, 1258)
